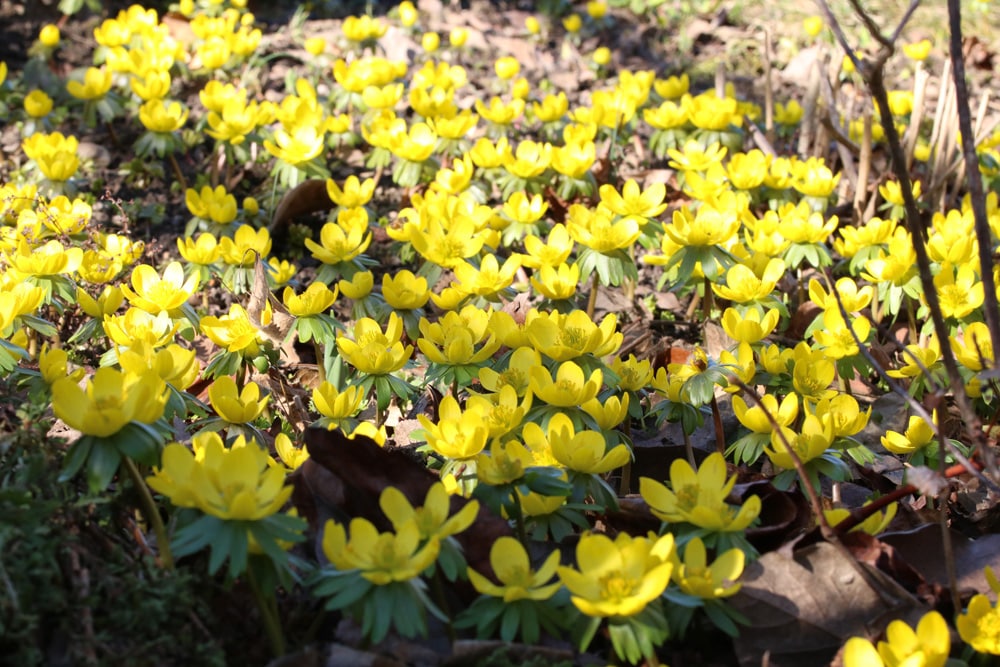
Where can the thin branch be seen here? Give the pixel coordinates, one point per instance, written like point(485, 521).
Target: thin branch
point(991, 310)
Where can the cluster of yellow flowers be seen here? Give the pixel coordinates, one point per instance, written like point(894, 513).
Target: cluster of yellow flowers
point(550, 390)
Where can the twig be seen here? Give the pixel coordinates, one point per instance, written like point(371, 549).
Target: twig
point(800, 468)
point(991, 310)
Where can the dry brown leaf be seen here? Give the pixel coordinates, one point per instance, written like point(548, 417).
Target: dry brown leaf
point(281, 321)
point(802, 609)
point(307, 197)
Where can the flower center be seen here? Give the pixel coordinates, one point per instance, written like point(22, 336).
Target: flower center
point(616, 586)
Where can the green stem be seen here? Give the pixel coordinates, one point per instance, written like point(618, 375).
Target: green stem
point(271, 625)
point(592, 299)
point(152, 513)
point(442, 601)
point(708, 301)
point(320, 365)
point(720, 437)
point(177, 171)
point(519, 519)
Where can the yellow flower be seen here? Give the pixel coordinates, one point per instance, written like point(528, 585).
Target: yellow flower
point(137, 327)
point(564, 337)
point(407, 13)
point(49, 35)
point(457, 434)
point(599, 231)
point(156, 294)
point(584, 451)
point(363, 28)
point(553, 252)
point(405, 291)
point(290, 455)
point(314, 46)
point(245, 246)
point(162, 118)
point(853, 299)
point(843, 413)
point(715, 224)
point(381, 558)
point(813, 372)
point(430, 41)
point(489, 279)
point(692, 157)
point(518, 372)
point(358, 287)
point(235, 119)
point(238, 483)
point(96, 83)
point(233, 406)
point(749, 327)
point(452, 339)
point(296, 145)
point(813, 178)
point(53, 364)
point(960, 292)
point(234, 331)
point(373, 351)
point(501, 410)
point(618, 578)
point(917, 50)
point(532, 25)
point(48, 259)
point(216, 205)
point(37, 104)
point(812, 439)
point(788, 114)
point(813, 25)
point(699, 497)
point(337, 405)
point(979, 626)
point(512, 568)
point(175, 365)
point(836, 340)
point(755, 418)
point(572, 23)
point(743, 285)
point(354, 194)
point(433, 519)
point(708, 582)
point(316, 299)
point(929, 646)
point(557, 283)
point(203, 251)
point(109, 400)
point(153, 85)
point(56, 155)
point(458, 37)
point(505, 463)
point(570, 387)
point(633, 374)
point(672, 87)
point(974, 349)
point(918, 435)
point(873, 525)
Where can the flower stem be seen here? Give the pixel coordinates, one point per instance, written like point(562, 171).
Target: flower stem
point(271, 625)
point(177, 171)
point(519, 519)
point(152, 513)
point(592, 299)
point(320, 365)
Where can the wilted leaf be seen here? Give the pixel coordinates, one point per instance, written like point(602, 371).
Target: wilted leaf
point(344, 478)
point(307, 197)
point(281, 321)
point(803, 608)
point(922, 548)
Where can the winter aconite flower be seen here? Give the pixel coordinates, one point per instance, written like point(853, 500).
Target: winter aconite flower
point(235, 406)
point(928, 646)
point(518, 581)
point(699, 497)
point(110, 400)
point(979, 626)
point(618, 578)
point(235, 483)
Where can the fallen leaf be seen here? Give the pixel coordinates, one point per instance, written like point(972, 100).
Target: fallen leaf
point(803, 608)
point(307, 197)
point(343, 479)
point(260, 295)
